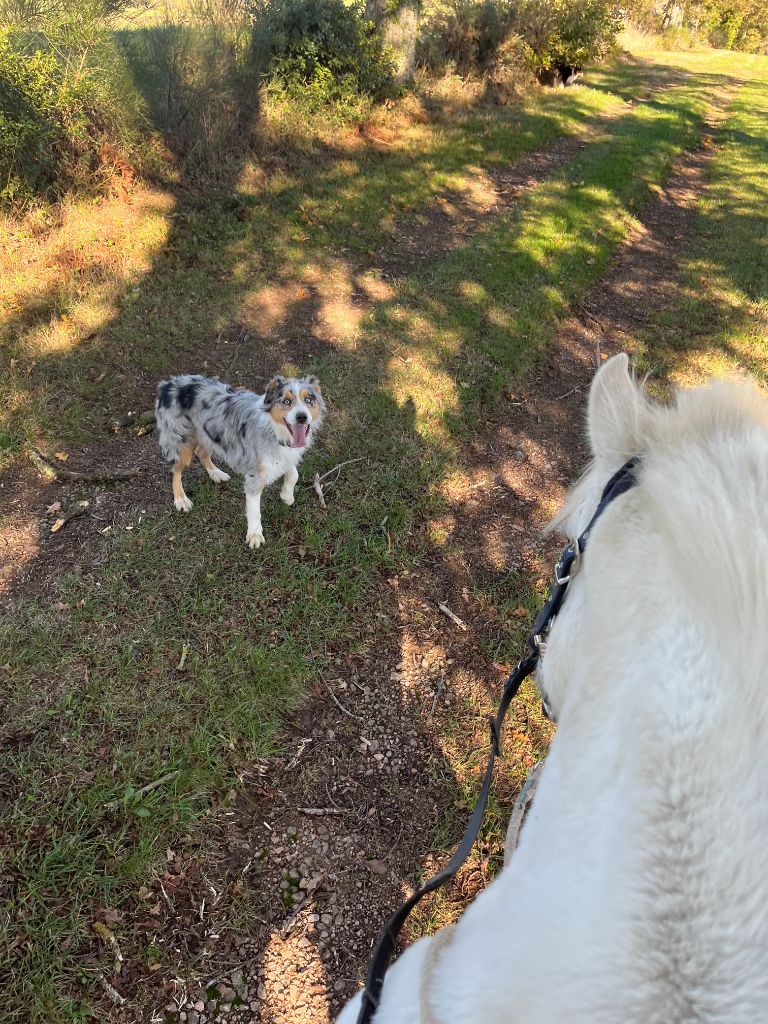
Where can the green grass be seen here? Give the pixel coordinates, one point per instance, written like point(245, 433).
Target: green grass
point(97, 705)
point(719, 322)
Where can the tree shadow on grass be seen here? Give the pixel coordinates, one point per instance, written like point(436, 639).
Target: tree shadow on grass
point(411, 419)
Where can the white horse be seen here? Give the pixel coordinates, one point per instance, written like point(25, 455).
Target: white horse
point(638, 893)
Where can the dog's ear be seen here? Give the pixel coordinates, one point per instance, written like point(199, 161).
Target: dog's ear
point(313, 382)
point(274, 389)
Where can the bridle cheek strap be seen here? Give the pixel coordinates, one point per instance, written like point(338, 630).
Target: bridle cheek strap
point(565, 569)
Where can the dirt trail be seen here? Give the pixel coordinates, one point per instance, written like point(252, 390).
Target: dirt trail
point(365, 740)
point(366, 749)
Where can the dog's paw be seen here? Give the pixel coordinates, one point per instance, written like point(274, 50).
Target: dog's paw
point(218, 476)
point(255, 538)
point(183, 504)
point(288, 497)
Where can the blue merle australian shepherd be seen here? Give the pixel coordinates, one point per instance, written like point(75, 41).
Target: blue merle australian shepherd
point(261, 436)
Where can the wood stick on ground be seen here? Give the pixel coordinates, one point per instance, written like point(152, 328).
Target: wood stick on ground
point(168, 777)
point(69, 475)
point(567, 393)
point(71, 513)
point(112, 992)
point(318, 489)
point(341, 465)
point(338, 703)
point(452, 616)
point(317, 811)
point(133, 419)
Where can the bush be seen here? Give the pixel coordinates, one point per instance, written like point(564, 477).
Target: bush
point(464, 33)
point(63, 125)
point(563, 33)
point(471, 34)
point(321, 50)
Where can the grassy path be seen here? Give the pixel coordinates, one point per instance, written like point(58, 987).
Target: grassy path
point(95, 707)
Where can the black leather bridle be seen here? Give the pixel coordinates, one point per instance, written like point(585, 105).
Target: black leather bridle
point(565, 569)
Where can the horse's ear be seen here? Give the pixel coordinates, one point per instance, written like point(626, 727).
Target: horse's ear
point(616, 408)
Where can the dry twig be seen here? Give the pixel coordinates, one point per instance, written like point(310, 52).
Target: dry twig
point(318, 489)
point(69, 475)
point(112, 992)
point(168, 777)
point(452, 616)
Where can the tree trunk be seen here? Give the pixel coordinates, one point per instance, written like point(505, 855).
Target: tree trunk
point(397, 26)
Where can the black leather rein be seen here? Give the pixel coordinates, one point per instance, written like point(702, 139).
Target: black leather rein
point(619, 483)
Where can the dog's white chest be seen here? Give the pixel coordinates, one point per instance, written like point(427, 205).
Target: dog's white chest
point(278, 461)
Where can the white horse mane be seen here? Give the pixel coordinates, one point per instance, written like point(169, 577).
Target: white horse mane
point(638, 893)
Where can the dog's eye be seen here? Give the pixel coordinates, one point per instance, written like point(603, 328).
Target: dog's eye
point(309, 399)
point(286, 401)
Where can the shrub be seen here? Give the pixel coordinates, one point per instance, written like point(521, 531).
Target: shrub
point(321, 50)
point(472, 34)
point(57, 117)
point(464, 33)
point(568, 32)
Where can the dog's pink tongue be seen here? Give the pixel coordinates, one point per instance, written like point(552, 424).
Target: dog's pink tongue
point(299, 432)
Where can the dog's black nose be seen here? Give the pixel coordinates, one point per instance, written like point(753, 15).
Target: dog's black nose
point(301, 417)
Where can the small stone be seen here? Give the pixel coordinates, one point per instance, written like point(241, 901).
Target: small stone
point(193, 1017)
point(339, 985)
point(227, 993)
point(199, 1005)
point(326, 919)
point(253, 1005)
point(236, 977)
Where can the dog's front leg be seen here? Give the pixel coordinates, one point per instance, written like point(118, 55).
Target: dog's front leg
point(254, 485)
point(289, 482)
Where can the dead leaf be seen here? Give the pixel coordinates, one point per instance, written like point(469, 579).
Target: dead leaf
point(521, 613)
point(55, 507)
point(62, 456)
point(144, 893)
point(102, 931)
point(109, 916)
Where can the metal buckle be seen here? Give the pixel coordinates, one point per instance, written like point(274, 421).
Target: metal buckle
point(540, 643)
point(575, 564)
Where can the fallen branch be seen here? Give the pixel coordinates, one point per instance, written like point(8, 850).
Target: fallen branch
point(452, 616)
point(71, 476)
point(133, 419)
point(338, 703)
point(168, 777)
point(112, 992)
point(341, 465)
point(72, 513)
point(567, 393)
point(318, 489)
point(317, 811)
